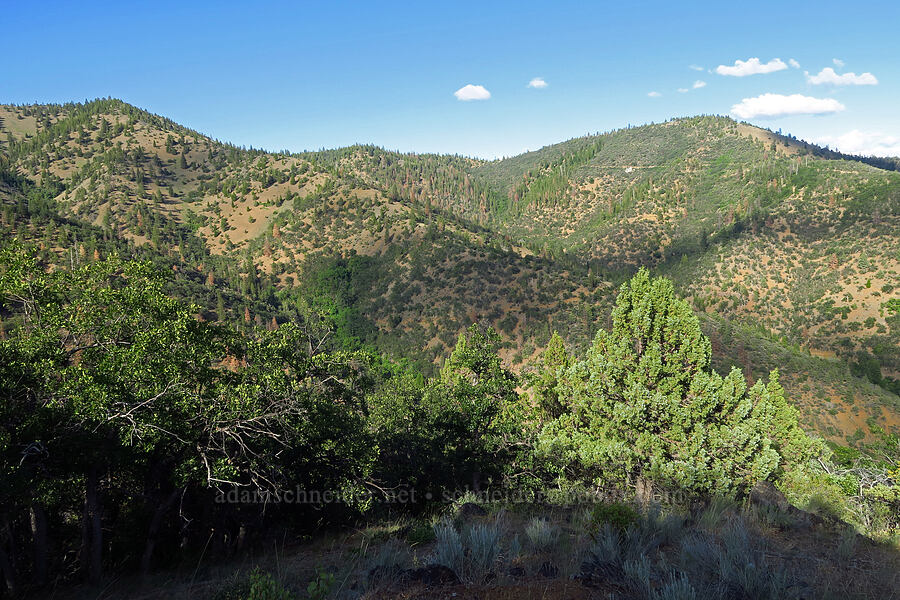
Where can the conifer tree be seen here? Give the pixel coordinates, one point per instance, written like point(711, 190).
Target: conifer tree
point(644, 404)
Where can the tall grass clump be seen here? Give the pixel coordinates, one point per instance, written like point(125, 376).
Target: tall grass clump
point(715, 513)
point(677, 588)
point(541, 534)
point(482, 551)
point(656, 559)
point(448, 548)
point(735, 567)
point(471, 555)
point(387, 562)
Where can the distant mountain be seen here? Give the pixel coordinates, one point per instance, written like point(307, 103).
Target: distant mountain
point(788, 251)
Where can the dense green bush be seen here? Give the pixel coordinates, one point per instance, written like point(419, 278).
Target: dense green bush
point(645, 404)
point(618, 515)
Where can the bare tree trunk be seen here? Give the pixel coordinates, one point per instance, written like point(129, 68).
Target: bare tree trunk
point(39, 536)
point(92, 529)
point(643, 491)
point(6, 566)
point(153, 531)
point(241, 537)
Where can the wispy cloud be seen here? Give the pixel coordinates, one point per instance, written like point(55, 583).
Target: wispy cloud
point(695, 67)
point(793, 63)
point(837, 62)
point(751, 66)
point(828, 76)
point(778, 105)
point(654, 94)
point(683, 90)
point(538, 83)
point(472, 92)
point(866, 143)
point(699, 84)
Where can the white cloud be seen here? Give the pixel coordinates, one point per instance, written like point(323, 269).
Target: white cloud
point(699, 84)
point(654, 94)
point(776, 105)
point(695, 67)
point(837, 62)
point(828, 75)
point(751, 66)
point(472, 92)
point(537, 82)
point(793, 63)
point(866, 143)
point(683, 90)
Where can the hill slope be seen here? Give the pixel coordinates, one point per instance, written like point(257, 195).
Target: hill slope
point(791, 251)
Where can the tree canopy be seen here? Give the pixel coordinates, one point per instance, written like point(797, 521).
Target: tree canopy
point(644, 402)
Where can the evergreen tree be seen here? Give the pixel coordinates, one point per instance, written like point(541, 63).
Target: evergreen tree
point(544, 383)
point(644, 405)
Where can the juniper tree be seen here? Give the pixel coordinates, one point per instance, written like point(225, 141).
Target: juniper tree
point(644, 404)
point(544, 382)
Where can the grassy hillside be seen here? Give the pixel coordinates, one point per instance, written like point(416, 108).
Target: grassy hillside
point(789, 250)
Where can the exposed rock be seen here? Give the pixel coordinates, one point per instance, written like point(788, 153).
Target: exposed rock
point(764, 493)
point(432, 575)
point(516, 572)
point(596, 574)
point(548, 570)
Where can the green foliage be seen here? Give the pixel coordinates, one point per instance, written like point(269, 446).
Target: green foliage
point(104, 373)
point(320, 587)
point(119, 389)
point(554, 359)
point(644, 403)
point(455, 431)
point(264, 587)
point(420, 532)
point(618, 515)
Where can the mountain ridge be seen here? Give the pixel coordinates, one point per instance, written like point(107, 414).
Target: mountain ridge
point(414, 247)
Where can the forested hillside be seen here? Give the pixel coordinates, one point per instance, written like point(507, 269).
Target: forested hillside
point(787, 248)
point(696, 306)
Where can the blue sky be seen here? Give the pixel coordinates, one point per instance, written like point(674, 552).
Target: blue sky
point(327, 74)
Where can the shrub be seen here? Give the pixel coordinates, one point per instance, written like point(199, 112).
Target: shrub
point(618, 515)
point(317, 589)
point(420, 532)
point(264, 587)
